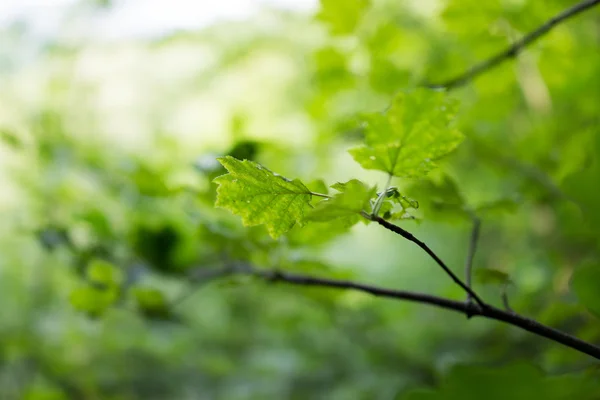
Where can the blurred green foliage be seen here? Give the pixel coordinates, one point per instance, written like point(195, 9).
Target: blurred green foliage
point(109, 233)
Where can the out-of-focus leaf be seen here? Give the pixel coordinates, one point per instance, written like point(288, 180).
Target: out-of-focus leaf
point(331, 69)
point(260, 196)
point(151, 302)
point(499, 206)
point(103, 273)
point(156, 244)
point(99, 221)
point(10, 139)
point(52, 237)
point(245, 150)
point(577, 186)
point(515, 381)
point(354, 197)
point(150, 182)
point(408, 139)
point(319, 233)
point(43, 392)
point(91, 300)
point(342, 16)
point(491, 276)
point(586, 283)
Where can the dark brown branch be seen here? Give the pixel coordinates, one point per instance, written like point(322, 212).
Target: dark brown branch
point(409, 236)
point(489, 312)
point(471, 252)
point(467, 308)
point(516, 48)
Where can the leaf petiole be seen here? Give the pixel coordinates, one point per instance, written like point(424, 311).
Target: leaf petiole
point(325, 196)
point(381, 197)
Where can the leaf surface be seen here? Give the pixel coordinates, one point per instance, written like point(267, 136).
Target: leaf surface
point(260, 196)
point(408, 139)
point(354, 196)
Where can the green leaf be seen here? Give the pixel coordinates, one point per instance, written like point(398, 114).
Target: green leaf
point(151, 302)
point(500, 207)
point(394, 196)
point(585, 284)
point(408, 139)
point(353, 198)
point(491, 276)
point(104, 273)
point(245, 150)
point(40, 390)
point(260, 196)
point(11, 139)
point(396, 206)
point(92, 300)
point(149, 181)
point(157, 243)
point(318, 233)
point(317, 186)
point(342, 16)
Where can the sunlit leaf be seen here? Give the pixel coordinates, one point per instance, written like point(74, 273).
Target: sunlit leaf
point(342, 16)
point(407, 140)
point(260, 196)
point(91, 300)
point(354, 197)
point(396, 206)
point(317, 186)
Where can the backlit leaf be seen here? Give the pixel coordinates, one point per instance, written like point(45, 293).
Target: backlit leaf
point(408, 139)
point(91, 300)
point(260, 196)
point(353, 198)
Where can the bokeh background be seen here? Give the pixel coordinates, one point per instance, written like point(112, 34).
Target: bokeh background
point(112, 114)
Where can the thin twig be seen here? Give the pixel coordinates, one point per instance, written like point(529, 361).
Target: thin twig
point(516, 48)
point(471, 252)
point(488, 311)
point(409, 236)
point(504, 297)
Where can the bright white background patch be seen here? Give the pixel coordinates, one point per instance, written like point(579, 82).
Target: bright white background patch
point(134, 18)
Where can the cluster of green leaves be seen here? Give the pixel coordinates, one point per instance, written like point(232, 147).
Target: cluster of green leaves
point(405, 141)
point(138, 231)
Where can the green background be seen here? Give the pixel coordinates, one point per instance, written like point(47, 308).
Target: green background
point(108, 226)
